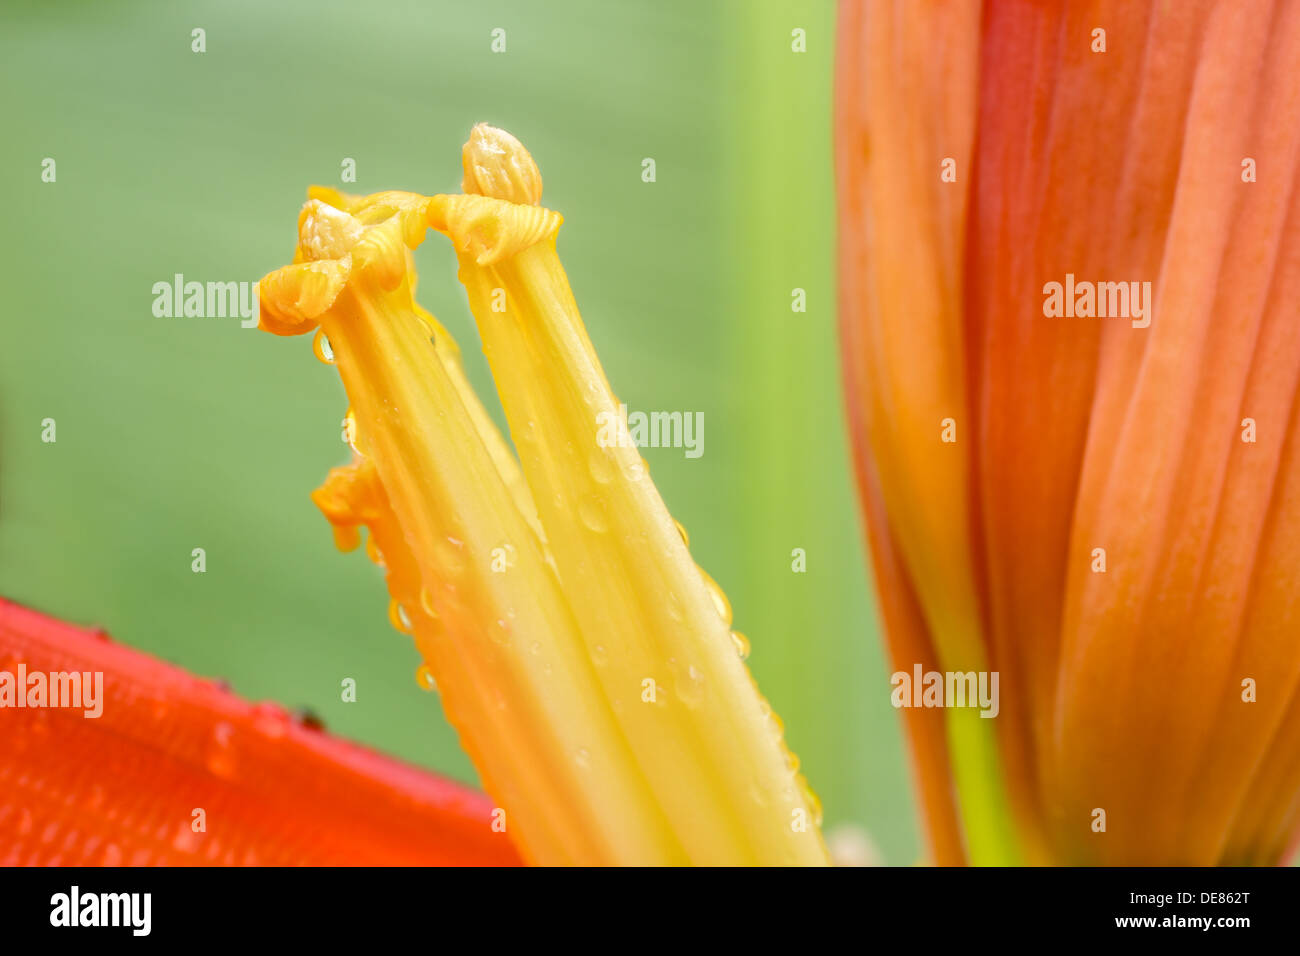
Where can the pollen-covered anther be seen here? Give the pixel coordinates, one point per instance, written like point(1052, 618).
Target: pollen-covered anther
point(325, 232)
point(497, 165)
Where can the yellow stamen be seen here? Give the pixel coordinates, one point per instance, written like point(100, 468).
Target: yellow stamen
point(587, 662)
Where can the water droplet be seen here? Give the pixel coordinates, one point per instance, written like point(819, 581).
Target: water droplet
point(321, 346)
point(635, 469)
point(814, 802)
point(426, 603)
point(602, 469)
point(185, 840)
point(719, 597)
point(95, 798)
point(353, 434)
point(688, 682)
point(372, 551)
point(582, 758)
point(221, 751)
point(424, 678)
point(791, 761)
point(501, 631)
point(271, 719)
point(592, 512)
point(451, 555)
point(158, 709)
point(674, 606)
point(38, 724)
point(600, 655)
point(742, 645)
point(681, 529)
point(398, 617)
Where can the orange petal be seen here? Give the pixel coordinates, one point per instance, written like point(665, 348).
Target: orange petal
point(1121, 691)
point(1100, 434)
point(901, 275)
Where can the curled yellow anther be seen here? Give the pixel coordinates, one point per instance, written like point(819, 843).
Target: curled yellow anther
point(350, 499)
point(490, 230)
point(293, 297)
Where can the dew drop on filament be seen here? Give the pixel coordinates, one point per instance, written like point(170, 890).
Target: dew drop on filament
point(592, 512)
point(398, 617)
point(320, 345)
point(426, 603)
point(424, 678)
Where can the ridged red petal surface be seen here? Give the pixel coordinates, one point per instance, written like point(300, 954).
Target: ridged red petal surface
point(124, 788)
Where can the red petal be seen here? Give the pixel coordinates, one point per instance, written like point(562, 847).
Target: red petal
point(124, 788)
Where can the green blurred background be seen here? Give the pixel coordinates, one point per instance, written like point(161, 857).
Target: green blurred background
point(180, 433)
